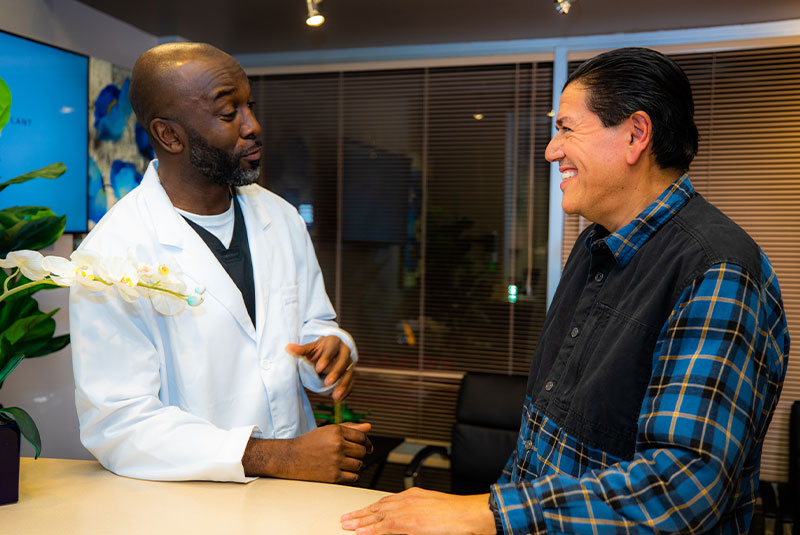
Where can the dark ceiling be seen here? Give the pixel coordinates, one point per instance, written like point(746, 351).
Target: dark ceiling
point(249, 26)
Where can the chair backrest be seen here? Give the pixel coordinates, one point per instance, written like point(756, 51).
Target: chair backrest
point(485, 433)
point(792, 501)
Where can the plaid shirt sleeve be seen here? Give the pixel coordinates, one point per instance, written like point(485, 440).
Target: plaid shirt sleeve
point(716, 377)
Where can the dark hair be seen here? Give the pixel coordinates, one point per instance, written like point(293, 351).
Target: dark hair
point(623, 81)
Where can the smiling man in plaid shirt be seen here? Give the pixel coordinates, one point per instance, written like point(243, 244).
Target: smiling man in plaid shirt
point(662, 357)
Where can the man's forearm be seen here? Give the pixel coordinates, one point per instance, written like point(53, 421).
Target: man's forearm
point(266, 457)
point(332, 454)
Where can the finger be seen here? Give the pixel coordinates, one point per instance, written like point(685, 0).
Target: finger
point(339, 363)
point(355, 451)
point(355, 432)
point(345, 385)
point(350, 464)
point(372, 509)
point(326, 354)
point(364, 427)
point(351, 523)
point(301, 351)
point(347, 477)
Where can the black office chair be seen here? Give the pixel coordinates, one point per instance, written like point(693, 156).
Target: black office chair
point(488, 413)
point(781, 501)
point(789, 493)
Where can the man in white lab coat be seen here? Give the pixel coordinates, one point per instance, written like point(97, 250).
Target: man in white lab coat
point(216, 392)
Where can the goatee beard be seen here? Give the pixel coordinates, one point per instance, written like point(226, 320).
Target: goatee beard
point(220, 167)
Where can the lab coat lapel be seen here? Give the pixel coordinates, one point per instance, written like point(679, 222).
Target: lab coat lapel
point(257, 219)
point(193, 256)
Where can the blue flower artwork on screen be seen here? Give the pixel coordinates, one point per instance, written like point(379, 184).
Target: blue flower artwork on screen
point(97, 193)
point(111, 111)
point(143, 143)
point(124, 177)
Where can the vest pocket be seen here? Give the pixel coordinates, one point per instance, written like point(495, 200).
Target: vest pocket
point(609, 382)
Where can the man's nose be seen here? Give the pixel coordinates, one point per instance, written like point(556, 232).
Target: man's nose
point(553, 152)
point(250, 127)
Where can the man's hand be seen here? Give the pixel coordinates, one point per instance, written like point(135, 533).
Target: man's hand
point(332, 454)
point(331, 360)
point(422, 512)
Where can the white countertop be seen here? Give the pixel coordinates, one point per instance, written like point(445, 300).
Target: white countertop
point(81, 497)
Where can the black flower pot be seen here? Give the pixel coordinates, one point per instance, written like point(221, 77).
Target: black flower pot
point(9, 462)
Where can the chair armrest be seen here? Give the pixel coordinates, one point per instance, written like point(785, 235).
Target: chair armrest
point(413, 468)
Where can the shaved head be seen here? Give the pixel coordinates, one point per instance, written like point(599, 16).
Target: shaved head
point(194, 102)
point(156, 86)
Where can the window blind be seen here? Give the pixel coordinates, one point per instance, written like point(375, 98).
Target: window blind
point(426, 196)
point(748, 114)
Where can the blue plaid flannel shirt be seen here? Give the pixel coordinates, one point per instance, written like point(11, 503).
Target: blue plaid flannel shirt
point(701, 424)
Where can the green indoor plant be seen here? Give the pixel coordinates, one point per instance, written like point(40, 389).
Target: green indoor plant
point(25, 331)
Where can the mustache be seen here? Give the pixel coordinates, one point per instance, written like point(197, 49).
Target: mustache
point(250, 149)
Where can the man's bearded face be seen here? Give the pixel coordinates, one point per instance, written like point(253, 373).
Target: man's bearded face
point(221, 167)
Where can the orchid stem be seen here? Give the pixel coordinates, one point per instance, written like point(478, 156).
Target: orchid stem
point(337, 412)
point(8, 279)
point(9, 293)
point(160, 289)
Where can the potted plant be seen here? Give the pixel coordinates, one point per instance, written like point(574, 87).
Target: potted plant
point(25, 330)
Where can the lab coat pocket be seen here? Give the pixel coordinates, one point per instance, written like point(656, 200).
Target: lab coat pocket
point(291, 312)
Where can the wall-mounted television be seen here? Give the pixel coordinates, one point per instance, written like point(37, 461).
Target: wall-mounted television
point(48, 123)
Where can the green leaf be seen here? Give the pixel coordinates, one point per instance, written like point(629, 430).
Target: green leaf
point(8, 359)
point(54, 170)
point(22, 326)
point(42, 329)
point(325, 417)
point(17, 306)
point(18, 213)
point(26, 427)
point(5, 104)
point(32, 234)
point(45, 347)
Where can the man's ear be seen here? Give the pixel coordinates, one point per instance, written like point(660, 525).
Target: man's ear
point(168, 134)
point(640, 134)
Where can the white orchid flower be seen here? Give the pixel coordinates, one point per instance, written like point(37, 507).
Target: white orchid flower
point(88, 271)
point(123, 275)
point(61, 270)
point(161, 283)
point(28, 262)
point(167, 304)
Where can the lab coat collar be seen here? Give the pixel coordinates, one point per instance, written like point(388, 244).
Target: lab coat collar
point(192, 254)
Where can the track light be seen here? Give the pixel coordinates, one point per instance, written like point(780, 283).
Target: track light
point(314, 17)
point(563, 6)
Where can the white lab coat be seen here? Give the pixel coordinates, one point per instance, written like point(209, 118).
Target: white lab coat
point(178, 397)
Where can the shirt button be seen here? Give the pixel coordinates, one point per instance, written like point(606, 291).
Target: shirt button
point(528, 445)
point(574, 332)
point(548, 386)
point(599, 277)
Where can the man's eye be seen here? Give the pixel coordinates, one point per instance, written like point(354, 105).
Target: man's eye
point(228, 116)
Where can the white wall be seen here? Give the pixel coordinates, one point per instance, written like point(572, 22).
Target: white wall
point(44, 386)
point(77, 27)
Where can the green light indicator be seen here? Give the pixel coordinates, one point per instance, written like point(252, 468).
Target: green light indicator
point(512, 293)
